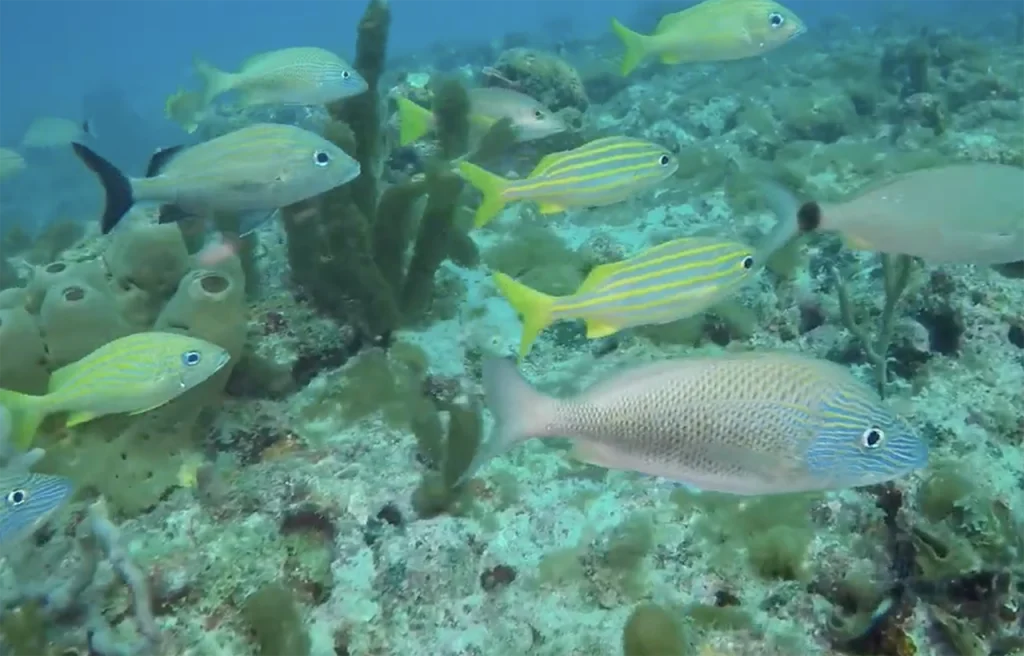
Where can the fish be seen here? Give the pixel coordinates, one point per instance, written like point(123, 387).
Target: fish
point(53, 132)
point(668, 282)
point(11, 163)
point(251, 171)
point(754, 423)
point(530, 119)
point(130, 375)
point(303, 76)
point(955, 214)
point(714, 30)
point(186, 108)
point(27, 500)
point(598, 173)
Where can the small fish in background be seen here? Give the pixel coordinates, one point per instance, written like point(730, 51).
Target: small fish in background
point(129, 375)
point(714, 30)
point(956, 214)
point(252, 171)
point(54, 132)
point(27, 500)
point(745, 424)
point(529, 118)
point(304, 76)
point(186, 108)
point(668, 282)
point(602, 172)
point(11, 163)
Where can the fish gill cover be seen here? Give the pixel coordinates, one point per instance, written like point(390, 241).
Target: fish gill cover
point(231, 426)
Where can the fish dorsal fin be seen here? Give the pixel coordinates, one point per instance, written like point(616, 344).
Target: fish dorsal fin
point(60, 377)
point(160, 159)
point(544, 164)
point(598, 275)
point(670, 21)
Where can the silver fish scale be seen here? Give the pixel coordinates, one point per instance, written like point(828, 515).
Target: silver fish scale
point(696, 418)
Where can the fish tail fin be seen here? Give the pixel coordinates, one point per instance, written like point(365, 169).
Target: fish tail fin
point(635, 45)
point(535, 308)
point(520, 412)
point(413, 121)
point(27, 413)
point(491, 186)
point(214, 81)
point(116, 186)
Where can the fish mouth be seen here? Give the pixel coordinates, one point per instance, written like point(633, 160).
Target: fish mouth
point(222, 361)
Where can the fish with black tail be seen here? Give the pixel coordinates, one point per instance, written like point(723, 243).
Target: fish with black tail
point(252, 171)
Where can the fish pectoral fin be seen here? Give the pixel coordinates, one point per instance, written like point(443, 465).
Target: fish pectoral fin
point(146, 409)
point(593, 453)
point(550, 208)
point(767, 466)
point(250, 221)
point(598, 329)
point(246, 186)
point(80, 417)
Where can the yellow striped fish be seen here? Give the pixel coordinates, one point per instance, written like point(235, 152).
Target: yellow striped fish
point(602, 172)
point(129, 375)
point(304, 76)
point(252, 172)
point(672, 281)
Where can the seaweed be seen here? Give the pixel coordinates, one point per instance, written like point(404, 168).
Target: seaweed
point(652, 630)
point(449, 454)
point(272, 614)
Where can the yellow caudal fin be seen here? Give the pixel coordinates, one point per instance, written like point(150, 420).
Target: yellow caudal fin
point(534, 307)
point(491, 186)
point(635, 45)
point(214, 81)
point(413, 121)
point(26, 412)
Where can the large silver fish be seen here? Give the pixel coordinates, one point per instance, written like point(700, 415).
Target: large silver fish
point(252, 171)
point(748, 424)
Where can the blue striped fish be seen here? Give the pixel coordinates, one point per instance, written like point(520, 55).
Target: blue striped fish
point(602, 172)
point(740, 423)
point(672, 281)
point(26, 501)
point(252, 171)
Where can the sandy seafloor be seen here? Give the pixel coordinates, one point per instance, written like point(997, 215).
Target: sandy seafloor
point(407, 586)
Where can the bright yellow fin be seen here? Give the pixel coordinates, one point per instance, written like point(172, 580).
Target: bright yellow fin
point(413, 121)
point(214, 81)
point(533, 306)
point(598, 275)
point(80, 417)
point(550, 208)
point(598, 329)
point(635, 45)
point(27, 412)
point(670, 58)
point(544, 164)
point(491, 186)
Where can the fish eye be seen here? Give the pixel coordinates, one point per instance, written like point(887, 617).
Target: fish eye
point(345, 75)
point(873, 437)
point(747, 262)
point(191, 358)
point(320, 158)
point(664, 160)
point(17, 497)
point(775, 19)
point(537, 114)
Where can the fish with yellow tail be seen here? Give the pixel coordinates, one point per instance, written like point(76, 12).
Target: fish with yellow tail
point(668, 282)
point(530, 120)
point(744, 424)
point(714, 30)
point(130, 375)
point(305, 76)
point(252, 172)
point(599, 173)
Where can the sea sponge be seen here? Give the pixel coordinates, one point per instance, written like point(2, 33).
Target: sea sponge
point(151, 257)
point(210, 305)
point(13, 297)
point(544, 76)
point(92, 272)
point(23, 359)
point(76, 319)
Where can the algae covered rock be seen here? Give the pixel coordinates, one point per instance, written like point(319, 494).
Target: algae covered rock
point(544, 76)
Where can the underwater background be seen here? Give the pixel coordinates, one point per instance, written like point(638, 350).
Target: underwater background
point(322, 493)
